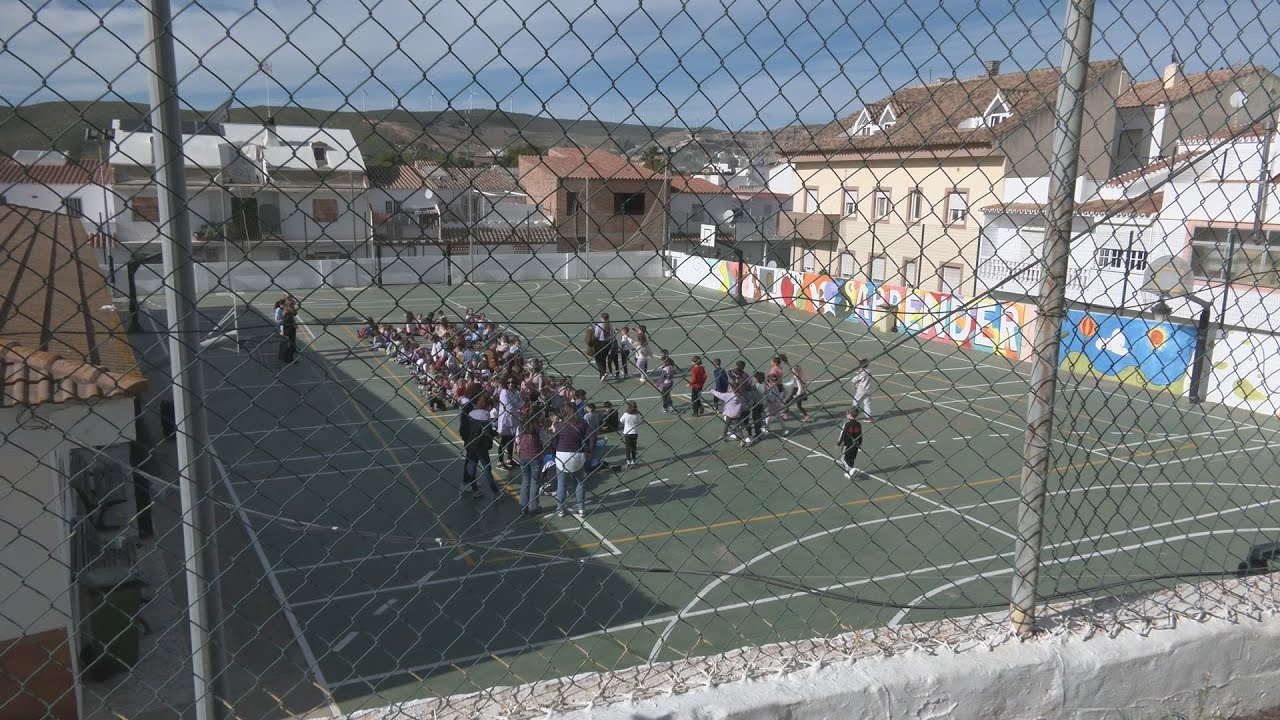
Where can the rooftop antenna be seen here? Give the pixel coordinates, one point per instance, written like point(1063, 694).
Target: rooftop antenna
point(265, 67)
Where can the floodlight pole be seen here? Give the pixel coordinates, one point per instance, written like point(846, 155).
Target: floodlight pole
point(1068, 120)
point(203, 602)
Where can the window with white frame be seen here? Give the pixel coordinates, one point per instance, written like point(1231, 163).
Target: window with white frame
point(809, 261)
point(950, 278)
point(888, 118)
point(957, 207)
point(73, 206)
point(878, 268)
point(846, 265)
point(811, 203)
point(883, 204)
point(850, 201)
point(863, 126)
point(915, 205)
point(1121, 259)
point(1253, 260)
point(910, 273)
point(997, 111)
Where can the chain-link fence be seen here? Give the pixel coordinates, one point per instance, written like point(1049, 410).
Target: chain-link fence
point(493, 360)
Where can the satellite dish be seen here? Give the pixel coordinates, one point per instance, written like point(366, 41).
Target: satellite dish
point(728, 216)
point(1168, 277)
point(428, 195)
point(1238, 99)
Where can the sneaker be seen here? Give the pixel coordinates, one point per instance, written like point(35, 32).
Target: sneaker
point(580, 513)
point(563, 512)
point(733, 436)
point(603, 378)
point(742, 444)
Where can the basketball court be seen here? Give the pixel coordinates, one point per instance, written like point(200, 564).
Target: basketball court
point(400, 587)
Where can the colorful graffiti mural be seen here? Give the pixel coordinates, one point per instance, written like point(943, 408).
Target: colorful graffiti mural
point(983, 324)
point(1128, 349)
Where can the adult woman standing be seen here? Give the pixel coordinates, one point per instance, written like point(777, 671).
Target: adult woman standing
point(289, 341)
point(569, 443)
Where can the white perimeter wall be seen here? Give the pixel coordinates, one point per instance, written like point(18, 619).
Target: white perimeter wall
point(34, 555)
point(253, 276)
point(1056, 677)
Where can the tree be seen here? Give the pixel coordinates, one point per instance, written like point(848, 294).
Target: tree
point(651, 160)
point(512, 156)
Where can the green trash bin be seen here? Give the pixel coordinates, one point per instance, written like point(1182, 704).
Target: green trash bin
point(114, 601)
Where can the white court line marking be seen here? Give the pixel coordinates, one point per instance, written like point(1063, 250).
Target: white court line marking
point(917, 486)
point(387, 556)
point(783, 459)
point(931, 501)
point(613, 549)
point(738, 465)
point(385, 606)
point(463, 554)
point(902, 614)
point(993, 421)
point(276, 589)
point(346, 640)
point(1220, 453)
point(1153, 439)
point(660, 481)
point(698, 472)
point(425, 578)
point(687, 612)
point(442, 581)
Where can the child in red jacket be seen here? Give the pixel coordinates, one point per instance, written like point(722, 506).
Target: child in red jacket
point(697, 379)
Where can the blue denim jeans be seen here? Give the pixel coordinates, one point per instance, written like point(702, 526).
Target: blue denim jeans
point(562, 483)
point(471, 473)
point(530, 474)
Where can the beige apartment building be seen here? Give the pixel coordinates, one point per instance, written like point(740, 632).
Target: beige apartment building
point(890, 193)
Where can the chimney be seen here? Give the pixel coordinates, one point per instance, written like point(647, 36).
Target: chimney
point(993, 67)
point(1173, 75)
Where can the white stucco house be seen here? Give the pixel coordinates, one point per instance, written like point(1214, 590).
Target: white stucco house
point(68, 403)
point(262, 192)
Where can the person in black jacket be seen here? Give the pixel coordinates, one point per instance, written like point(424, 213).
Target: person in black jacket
point(476, 432)
point(850, 440)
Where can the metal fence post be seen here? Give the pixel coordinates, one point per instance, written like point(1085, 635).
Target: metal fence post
point(1069, 118)
point(183, 330)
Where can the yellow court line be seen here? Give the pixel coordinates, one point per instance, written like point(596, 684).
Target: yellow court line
point(889, 497)
point(404, 472)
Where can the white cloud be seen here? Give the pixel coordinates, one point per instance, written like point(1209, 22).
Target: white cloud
point(743, 63)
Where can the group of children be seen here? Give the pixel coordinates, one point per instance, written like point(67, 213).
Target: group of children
point(547, 429)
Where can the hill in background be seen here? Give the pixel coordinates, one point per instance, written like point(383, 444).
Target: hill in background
point(388, 136)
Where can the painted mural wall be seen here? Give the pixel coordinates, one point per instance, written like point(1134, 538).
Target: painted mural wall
point(1245, 369)
point(981, 324)
point(1246, 372)
point(1131, 350)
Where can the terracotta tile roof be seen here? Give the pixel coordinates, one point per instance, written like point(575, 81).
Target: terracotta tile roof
point(516, 235)
point(492, 178)
point(60, 336)
point(1153, 92)
point(1017, 208)
point(697, 186)
point(1144, 206)
point(929, 116)
point(68, 173)
point(579, 164)
point(1157, 166)
point(1253, 132)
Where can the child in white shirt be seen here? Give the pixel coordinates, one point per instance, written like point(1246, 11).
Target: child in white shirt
point(631, 420)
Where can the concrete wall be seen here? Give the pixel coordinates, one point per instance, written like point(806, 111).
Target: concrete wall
point(404, 269)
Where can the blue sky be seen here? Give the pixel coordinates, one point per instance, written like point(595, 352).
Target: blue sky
point(742, 64)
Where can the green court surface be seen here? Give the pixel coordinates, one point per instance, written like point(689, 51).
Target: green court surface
point(352, 488)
